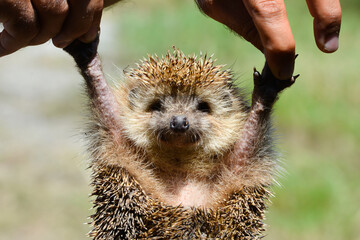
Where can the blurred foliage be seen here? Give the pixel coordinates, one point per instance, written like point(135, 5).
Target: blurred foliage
point(350, 5)
point(318, 123)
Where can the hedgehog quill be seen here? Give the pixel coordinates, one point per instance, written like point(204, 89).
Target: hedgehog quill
point(176, 151)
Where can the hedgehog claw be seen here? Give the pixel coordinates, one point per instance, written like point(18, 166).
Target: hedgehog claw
point(83, 53)
point(267, 86)
point(257, 76)
point(293, 79)
point(256, 73)
point(296, 76)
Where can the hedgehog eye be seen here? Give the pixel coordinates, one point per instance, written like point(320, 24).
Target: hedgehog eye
point(155, 106)
point(203, 107)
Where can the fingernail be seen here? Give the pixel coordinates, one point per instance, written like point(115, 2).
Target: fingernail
point(286, 72)
point(90, 35)
point(61, 44)
point(332, 43)
point(281, 64)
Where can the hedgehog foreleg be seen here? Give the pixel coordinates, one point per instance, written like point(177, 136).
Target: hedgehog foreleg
point(103, 102)
point(256, 137)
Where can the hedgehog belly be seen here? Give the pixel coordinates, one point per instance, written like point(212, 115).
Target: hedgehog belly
point(124, 211)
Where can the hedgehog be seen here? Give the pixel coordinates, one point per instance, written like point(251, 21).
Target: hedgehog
point(176, 150)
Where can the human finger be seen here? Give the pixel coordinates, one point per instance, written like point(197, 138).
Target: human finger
point(271, 21)
point(93, 30)
point(78, 22)
point(51, 15)
point(327, 21)
point(20, 25)
point(108, 3)
point(234, 15)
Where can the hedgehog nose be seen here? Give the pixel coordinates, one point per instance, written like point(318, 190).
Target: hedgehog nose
point(179, 124)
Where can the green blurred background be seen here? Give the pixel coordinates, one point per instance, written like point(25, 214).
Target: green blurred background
point(43, 177)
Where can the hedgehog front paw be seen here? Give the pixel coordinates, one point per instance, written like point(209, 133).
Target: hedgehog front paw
point(267, 86)
point(83, 53)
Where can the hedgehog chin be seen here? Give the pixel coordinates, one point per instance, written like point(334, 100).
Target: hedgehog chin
point(179, 140)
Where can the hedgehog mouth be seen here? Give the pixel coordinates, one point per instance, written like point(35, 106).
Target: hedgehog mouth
point(178, 139)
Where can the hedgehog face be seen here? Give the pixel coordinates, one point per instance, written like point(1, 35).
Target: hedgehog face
point(176, 118)
point(179, 102)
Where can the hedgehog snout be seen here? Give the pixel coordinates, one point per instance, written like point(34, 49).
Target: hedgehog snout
point(179, 124)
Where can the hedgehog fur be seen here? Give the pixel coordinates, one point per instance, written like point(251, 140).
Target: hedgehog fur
point(155, 180)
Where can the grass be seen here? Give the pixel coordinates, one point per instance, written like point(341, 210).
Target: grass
point(318, 122)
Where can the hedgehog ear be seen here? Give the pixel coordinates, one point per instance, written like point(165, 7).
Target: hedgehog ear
point(226, 97)
point(133, 95)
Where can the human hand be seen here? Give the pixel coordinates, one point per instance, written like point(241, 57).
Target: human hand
point(265, 24)
point(33, 22)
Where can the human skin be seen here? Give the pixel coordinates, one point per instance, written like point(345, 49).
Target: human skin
point(264, 23)
point(33, 22)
